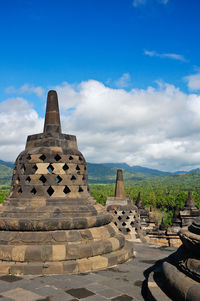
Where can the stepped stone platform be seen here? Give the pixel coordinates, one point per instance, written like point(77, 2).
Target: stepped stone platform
point(50, 224)
point(125, 282)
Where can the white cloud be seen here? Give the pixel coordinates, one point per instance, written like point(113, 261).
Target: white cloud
point(17, 120)
point(123, 81)
point(173, 56)
point(158, 128)
point(155, 127)
point(39, 91)
point(193, 81)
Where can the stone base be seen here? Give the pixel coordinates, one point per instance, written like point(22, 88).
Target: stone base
point(83, 265)
point(180, 287)
point(168, 283)
point(164, 241)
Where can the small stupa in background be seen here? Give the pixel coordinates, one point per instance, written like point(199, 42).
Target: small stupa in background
point(144, 214)
point(189, 211)
point(125, 215)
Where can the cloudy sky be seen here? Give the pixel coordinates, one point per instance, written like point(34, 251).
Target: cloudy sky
point(127, 75)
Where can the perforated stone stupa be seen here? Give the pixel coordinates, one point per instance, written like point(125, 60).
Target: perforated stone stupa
point(50, 224)
point(125, 215)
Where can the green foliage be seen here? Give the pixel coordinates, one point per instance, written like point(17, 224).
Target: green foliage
point(163, 193)
point(5, 175)
point(4, 191)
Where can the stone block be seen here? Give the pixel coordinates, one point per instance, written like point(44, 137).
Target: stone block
point(18, 253)
point(42, 168)
point(58, 252)
point(115, 243)
point(33, 253)
point(51, 268)
point(70, 267)
point(99, 262)
point(84, 265)
point(6, 253)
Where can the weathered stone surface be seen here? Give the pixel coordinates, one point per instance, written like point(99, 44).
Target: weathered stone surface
point(50, 223)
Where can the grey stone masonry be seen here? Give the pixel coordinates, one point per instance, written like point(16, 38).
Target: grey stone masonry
point(50, 223)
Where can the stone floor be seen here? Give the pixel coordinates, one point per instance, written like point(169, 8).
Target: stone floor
point(121, 283)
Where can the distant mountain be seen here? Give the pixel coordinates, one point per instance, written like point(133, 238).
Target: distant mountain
point(105, 172)
point(136, 168)
point(8, 164)
point(5, 175)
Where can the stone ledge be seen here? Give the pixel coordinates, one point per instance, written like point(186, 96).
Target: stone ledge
point(181, 287)
point(68, 267)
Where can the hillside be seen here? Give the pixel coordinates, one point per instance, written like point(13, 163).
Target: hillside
point(99, 173)
point(5, 175)
point(136, 168)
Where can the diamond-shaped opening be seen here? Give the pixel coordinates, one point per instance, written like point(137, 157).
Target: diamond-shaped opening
point(23, 169)
point(71, 158)
point(28, 157)
point(65, 167)
point(73, 178)
point(80, 189)
point(115, 212)
point(50, 168)
point(132, 224)
point(130, 211)
point(123, 224)
point(115, 223)
point(17, 180)
point(85, 168)
point(77, 167)
point(42, 157)
point(120, 229)
point(28, 179)
point(80, 159)
point(20, 190)
point(123, 212)
point(66, 190)
point(50, 191)
point(57, 157)
point(128, 230)
point(43, 179)
point(127, 217)
point(119, 218)
point(83, 178)
point(35, 168)
point(58, 179)
point(33, 191)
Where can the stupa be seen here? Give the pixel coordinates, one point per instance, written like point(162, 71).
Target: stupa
point(125, 215)
point(189, 211)
point(144, 215)
point(50, 224)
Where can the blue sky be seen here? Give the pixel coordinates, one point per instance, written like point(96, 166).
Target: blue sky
point(121, 44)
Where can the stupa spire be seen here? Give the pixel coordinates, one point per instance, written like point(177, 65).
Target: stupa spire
point(139, 201)
point(52, 117)
point(119, 187)
point(189, 202)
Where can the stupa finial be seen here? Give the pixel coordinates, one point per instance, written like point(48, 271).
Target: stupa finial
point(139, 201)
point(52, 117)
point(119, 187)
point(189, 202)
